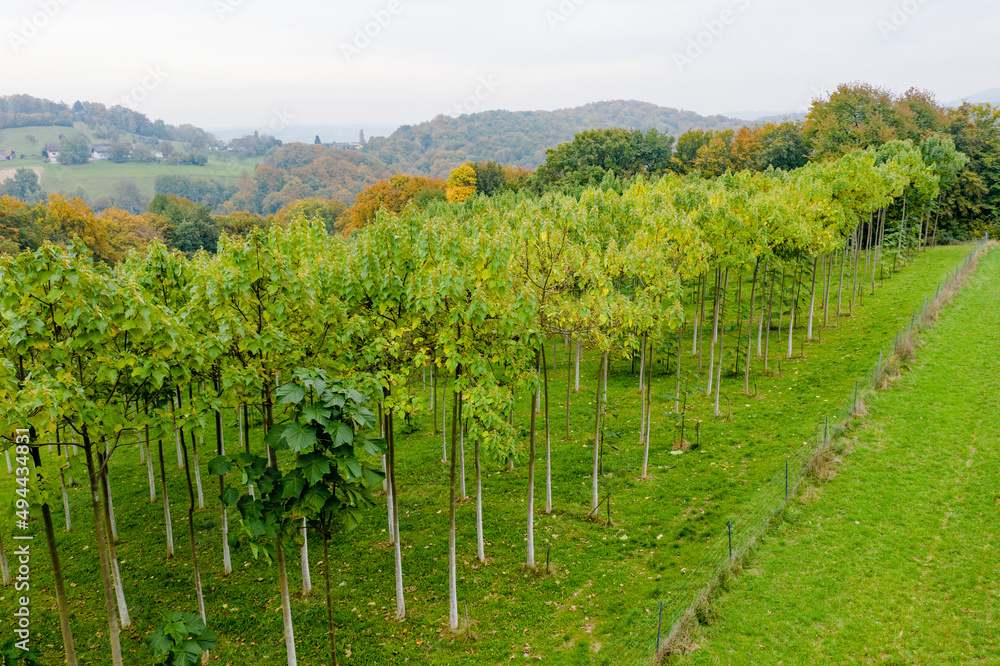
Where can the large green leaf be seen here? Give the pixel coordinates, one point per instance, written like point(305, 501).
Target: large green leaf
point(219, 465)
point(292, 485)
point(314, 467)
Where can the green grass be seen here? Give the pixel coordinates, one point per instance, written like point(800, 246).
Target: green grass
point(97, 178)
point(603, 584)
point(896, 561)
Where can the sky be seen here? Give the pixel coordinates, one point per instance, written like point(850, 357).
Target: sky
point(267, 64)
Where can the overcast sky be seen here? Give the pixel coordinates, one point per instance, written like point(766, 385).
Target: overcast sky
point(262, 63)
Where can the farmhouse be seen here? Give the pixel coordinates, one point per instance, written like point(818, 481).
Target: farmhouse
point(52, 150)
point(7, 155)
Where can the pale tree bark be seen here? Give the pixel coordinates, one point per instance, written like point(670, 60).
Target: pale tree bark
point(61, 600)
point(102, 552)
point(597, 430)
point(715, 333)
point(531, 473)
point(722, 317)
point(452, 574)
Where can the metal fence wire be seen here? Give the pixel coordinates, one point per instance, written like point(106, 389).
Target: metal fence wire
point(652, 639)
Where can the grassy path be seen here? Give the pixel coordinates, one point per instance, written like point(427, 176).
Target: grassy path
point(897, 561)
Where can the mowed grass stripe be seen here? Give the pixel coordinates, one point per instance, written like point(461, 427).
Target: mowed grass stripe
point(897, 560)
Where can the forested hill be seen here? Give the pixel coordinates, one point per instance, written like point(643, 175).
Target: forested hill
point(106, 122)
point(521, 138)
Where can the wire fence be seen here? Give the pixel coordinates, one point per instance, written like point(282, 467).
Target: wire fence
point(678, 612)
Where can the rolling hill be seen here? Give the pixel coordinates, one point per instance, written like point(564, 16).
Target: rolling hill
point(435, 147)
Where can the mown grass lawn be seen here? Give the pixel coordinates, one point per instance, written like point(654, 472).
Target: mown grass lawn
point(605, 579)
point(895, 561)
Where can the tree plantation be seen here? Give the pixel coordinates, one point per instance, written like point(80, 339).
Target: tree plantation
point(278, 389)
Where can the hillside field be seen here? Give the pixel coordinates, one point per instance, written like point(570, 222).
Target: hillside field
point(97, 178)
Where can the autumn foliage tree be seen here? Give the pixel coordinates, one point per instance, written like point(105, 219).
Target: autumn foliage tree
point(392, 195)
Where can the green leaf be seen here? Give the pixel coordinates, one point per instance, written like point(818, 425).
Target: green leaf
point(291, 394)
point(316, 497)
point(292, 485)
point(316, 413)
point(219, 465)
point(314, 466)
point(230, 496)
point(353, 469)
point(372, 476)
point(344, 436)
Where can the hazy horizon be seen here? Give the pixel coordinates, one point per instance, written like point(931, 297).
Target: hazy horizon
point(236, 63)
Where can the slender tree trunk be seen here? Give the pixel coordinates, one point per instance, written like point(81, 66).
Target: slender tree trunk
point(331, 630)
point(4, 568)
point(106, 480)
point(642, 362)
point(480, 544)
point(722, 318)
point(304, 560)
point(531, 471)
point(812, 300)
point(400, 601)
point(840, 289)
point(854, 281)
point(739, 320)
point(770, 320)
point(174, 406)
point(286, 605)
point(597, 429)
point(791, 314)
point(191, 532)
point(579, 355)
point(102, 552)
point(65, 498)
point(452, 575)
point(61, 601)
point(444, 420)
point(166, 503)
point(677, 394)
point(149, 468)
point(116, 576)
point(220, 449)
point(715, 333)
point(434, 404)
point(753, 294)
point(461, 445)
point(647, 392)
point(701, 329)
point(781, 301)
point(569, 395)
point(548, 436)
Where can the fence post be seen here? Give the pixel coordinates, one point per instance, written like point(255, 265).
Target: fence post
point(855, 408)
point(879, 373)
point(659, 626)
point(730, 528)
point(826, 431)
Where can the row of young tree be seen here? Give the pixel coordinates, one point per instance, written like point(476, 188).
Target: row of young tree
point(301, 325)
